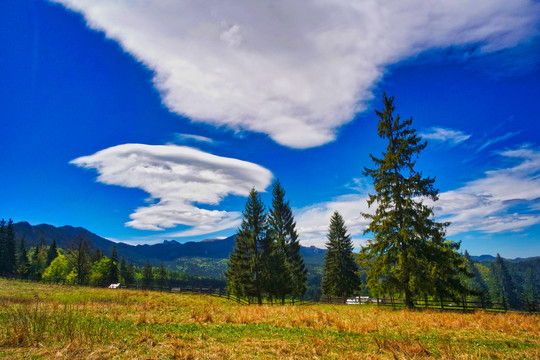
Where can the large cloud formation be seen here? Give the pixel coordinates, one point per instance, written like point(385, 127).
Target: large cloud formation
point(503, 200)
point(179, 178)
point(298, 69)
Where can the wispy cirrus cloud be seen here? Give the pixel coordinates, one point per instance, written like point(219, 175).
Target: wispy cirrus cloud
point(497, 139)
point(296, 70)
point(179, 179)
point(443, 135)
point(190, 138)
point(503, 200)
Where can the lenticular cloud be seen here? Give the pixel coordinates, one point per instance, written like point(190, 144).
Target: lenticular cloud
point(179, 178)
point(298, 69)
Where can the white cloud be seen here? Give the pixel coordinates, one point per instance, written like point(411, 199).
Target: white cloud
point(178, 178)
point(313, 221)
point(452, 137)
point(486, 205)
point(296, 70)
point(497, 139)
point(182, 138)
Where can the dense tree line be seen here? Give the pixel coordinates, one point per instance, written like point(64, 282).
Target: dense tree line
point(266, 260)
point(80, 264)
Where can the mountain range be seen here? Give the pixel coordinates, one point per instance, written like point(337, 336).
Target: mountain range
point(167, 251)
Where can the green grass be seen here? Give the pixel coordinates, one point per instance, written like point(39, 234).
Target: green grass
point(51, 321)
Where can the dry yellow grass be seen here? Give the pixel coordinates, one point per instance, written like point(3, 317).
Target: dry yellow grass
point(128, 324)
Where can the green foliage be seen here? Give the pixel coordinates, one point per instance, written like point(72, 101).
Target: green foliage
point(504, 285)
point(408, 254)
point(248, 274)
point(340, 269)
point(80, 260)
point(8, 258)
point(23, 264)
point(52, 253)
point(288, 268)
point(58, 270)
point(531, 288)
point(112, 270)
point(99, 272)
point(161, 279)
point(38, 260)
point(148, 275)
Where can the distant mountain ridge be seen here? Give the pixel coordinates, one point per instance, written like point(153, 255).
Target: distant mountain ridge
point(168, 250)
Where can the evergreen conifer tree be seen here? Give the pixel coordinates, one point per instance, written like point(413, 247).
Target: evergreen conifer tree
point(80, 259)
point(340, 269)
point(477, 283)
point(2, 246)
point(247, 274)
point(38, 262)
point(289, 271)
point(123, 270)
point(9, 253)
point(148, 275)
point(23, 265)
point(408, 253)
point(52, 253)
point(504, 284)
point(112, 272)
point(531, 288)
point(162, 275)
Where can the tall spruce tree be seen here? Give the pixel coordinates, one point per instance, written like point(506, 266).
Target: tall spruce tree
point(504, 283)
point(409, 253)
point(9, 253)
point(248, 267)
point(52, 252)
point(289, 271)
point(476, 283)
point(161, 275)
point(148, 275)
point(340, 269)
point(80, 259)
point(23, 265)
point(2, 246)
point(112, 272)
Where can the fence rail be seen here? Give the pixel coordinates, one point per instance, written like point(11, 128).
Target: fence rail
point(464, 305)
point(448, 304)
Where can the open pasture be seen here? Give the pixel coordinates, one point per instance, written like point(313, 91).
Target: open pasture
point(53, 321)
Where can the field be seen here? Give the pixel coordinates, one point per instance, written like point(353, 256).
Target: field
point(52, 321)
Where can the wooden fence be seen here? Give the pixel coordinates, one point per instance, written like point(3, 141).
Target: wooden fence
point(449, 305)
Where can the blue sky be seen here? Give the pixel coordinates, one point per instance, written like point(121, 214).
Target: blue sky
point(152, 120)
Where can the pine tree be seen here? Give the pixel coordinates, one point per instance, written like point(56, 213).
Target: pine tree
point(80, 259)
point(477, 283)
point(408, 253)
point(38, 262)
point(112, 271)
point(52, 253)
point(123, 270)
point(162, 276)
point(148, 275)
point(23, 265)
point(504, 284)
point(2, 246)
point(247, 274)
point(531, 288)
point(9, 253)
point(289, 271)
point(340, 269)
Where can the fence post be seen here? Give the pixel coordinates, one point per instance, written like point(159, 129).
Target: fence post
point(464, 299)
point(504, 304)
point(483, 303)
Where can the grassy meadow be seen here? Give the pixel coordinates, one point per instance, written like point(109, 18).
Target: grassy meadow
point(53, 321)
